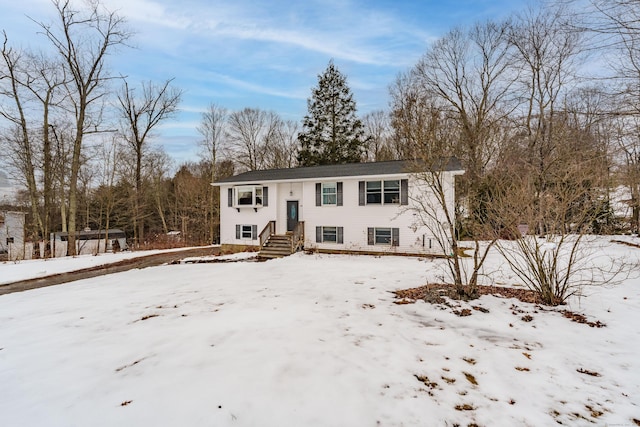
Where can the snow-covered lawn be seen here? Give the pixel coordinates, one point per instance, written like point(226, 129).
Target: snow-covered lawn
point(311, 340)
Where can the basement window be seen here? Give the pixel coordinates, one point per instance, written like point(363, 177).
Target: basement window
point(330, 235)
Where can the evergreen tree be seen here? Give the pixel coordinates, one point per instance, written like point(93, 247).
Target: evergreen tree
point(332, 132)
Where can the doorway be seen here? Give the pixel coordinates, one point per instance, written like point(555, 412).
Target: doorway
point(292, 214)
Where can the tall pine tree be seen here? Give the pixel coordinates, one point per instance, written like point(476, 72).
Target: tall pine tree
point(332, 132)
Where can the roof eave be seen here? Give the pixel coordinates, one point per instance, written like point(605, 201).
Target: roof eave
point(327, 178)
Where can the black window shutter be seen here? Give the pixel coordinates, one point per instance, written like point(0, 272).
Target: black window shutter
point(361, 193)
point(230, 193)
point(339, 193)
point(254, 232)
point(395, 237)
point(370, 236)
point(404, 192)
point(318, 234)
point(318, 194)
point(237, 231)
point(340, 235)
point(265, 196)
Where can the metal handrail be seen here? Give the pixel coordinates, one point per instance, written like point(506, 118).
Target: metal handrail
point(267, 232)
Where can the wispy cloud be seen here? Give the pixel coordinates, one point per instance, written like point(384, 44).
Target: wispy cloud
point(349, 33)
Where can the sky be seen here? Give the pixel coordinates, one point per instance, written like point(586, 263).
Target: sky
point(265, 54)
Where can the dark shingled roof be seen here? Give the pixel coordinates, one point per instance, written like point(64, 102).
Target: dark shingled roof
point(328, 171)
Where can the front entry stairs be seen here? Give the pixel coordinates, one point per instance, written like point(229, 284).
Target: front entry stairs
point(280, 245)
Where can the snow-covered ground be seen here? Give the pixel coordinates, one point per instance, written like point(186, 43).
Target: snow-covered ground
point(12, 271)
point(312, 340)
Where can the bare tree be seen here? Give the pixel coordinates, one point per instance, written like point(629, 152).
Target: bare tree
point(281, 144)
point(616, 24)
point(377, 128)
point(158, 163)
point(140, 115)
point(416, 118)
point(213, 130)
point(558, 264)
point(107, 157)
point(14, 74)
point(250, 133)
point(82, 40)
point(434, 208)
point(547, 54)
point(467, 72)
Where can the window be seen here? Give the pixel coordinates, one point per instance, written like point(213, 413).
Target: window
point(244, 196)
point(248, 196)
point(329, 193)
point(392, 192)
point(383, 236)
point(246, 232)
point(330, 235)
point(374, 192)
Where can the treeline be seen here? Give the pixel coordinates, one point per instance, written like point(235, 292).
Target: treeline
point(542, 105)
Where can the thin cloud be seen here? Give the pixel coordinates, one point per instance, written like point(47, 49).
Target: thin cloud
point(350, 34)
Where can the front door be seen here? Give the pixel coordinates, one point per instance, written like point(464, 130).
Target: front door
point(292, 214)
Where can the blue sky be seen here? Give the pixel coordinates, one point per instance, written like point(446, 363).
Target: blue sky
point(266, 54)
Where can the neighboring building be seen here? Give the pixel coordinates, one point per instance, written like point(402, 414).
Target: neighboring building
point(361, 207)
point(12, 235)
point(89, 242)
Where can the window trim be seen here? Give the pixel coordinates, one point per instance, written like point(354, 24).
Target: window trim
point(339, 233)
point(259, 196)
point(385, 192)
point(380, 233)
point(402, 192)
point(320, 186)
point(246, 232)
point(329, 185)
point(394, 236)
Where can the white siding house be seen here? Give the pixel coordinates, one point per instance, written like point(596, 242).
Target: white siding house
point(363, 207)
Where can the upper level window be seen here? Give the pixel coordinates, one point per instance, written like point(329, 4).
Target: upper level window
point(392, 192)
point(329, 193)
point(248, 196)
point(374, 192)
point(383, 192)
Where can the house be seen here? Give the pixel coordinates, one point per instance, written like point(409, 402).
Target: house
point(12, 241)
point(361, 207)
